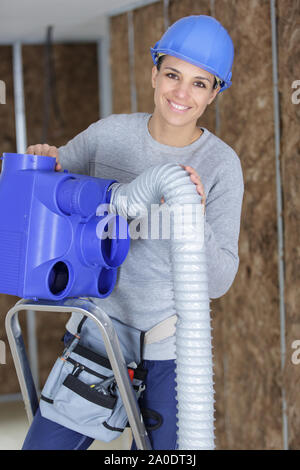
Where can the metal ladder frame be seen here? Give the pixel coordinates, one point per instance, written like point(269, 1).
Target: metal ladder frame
point(112, 345)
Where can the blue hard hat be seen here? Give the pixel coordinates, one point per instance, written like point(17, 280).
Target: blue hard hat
point(202, 41)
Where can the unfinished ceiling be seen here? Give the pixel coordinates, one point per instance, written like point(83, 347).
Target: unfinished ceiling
point(27, 21)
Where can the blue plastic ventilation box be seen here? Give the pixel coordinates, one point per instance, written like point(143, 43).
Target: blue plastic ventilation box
point(52, 243)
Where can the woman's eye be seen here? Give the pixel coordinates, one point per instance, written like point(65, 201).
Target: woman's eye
point(172, 75)
point(200, 84)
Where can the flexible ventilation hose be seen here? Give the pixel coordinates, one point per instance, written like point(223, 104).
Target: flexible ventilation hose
point(194, 370)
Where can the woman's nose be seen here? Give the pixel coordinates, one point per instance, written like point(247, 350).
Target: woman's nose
point(182, 90)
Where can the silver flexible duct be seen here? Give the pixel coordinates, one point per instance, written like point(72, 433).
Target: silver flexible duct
point(194, 370)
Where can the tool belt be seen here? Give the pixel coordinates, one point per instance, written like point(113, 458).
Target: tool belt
point(81, 392)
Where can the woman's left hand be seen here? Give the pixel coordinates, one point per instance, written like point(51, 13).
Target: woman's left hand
point(195, 178)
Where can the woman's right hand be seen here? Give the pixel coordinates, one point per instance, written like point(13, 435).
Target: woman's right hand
point(47, 151)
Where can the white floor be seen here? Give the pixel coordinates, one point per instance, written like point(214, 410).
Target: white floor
point(14, 426)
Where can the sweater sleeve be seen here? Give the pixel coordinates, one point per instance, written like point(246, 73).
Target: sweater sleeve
point(77, 154)
point(222, 227)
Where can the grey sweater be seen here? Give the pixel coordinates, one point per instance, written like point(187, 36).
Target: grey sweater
point(120, 147)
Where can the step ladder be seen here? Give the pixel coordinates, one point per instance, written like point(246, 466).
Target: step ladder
point(112, 345)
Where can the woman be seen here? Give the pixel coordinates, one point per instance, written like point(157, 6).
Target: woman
point(193, 62)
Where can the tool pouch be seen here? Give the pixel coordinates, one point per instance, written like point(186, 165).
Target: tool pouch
point(73, 395)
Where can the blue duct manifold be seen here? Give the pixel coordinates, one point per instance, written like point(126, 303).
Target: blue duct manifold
point(52, 243)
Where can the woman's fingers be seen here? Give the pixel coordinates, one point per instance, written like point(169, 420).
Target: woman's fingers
point(46, 150)
point(195, 178)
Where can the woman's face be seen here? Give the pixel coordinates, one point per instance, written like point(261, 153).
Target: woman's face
point(182, 91)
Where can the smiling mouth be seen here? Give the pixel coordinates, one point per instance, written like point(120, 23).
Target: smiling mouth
point(178, 107)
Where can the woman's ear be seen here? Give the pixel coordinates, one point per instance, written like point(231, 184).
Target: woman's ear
point(154, 75)
point(214, 94)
